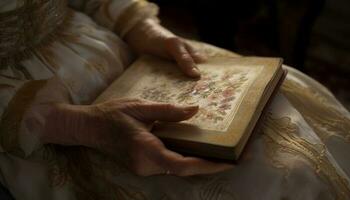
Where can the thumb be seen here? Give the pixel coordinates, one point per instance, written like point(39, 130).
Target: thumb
point(161, 112)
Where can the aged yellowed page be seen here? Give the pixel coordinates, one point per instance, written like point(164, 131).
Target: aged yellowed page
point(218, 93)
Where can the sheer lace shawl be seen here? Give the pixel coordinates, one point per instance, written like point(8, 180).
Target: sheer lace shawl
point(47, 40)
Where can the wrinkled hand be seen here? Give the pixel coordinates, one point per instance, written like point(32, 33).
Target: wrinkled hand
point(151, 38)
point(122, 127)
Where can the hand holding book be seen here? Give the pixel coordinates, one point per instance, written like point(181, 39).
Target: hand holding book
point(121, 129)
point(227, 112)
point(130, 123)
point(149, 37)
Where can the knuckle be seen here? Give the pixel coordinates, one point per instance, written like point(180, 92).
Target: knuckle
point(133, 100)
point(186, 57)
point(169, 108)
point(173, 40)
point(121, 103)
point(177, 169)
point(131, 104)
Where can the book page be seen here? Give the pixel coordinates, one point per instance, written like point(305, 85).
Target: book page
point(218, 93)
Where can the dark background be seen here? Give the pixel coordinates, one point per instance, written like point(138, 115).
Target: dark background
point(311, 35)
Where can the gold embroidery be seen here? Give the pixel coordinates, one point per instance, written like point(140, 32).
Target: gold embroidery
point(28, 27)
point(317, 111)
point(216, 189)
point(12, 117)
point(281, 136)
point(90, 173)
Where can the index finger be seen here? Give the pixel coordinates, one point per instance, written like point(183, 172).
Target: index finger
point(177, 49)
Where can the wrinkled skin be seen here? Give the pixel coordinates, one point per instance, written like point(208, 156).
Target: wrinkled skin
point(121, 127)
point(151, 38)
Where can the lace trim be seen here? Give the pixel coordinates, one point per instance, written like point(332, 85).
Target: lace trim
point(281, 137)
point(25, 28)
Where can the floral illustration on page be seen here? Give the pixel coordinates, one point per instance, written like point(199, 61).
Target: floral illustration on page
point(218, 93)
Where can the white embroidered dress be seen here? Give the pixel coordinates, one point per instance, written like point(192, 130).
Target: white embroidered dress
point(50, 52)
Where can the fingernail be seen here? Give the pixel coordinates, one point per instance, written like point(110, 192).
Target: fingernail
point(196, 72)
point(190, 109)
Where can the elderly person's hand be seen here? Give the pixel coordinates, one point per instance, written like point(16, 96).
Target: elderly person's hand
point(150, 37)
point(121, 128)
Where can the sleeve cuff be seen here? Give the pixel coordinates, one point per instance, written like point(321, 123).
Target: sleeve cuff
point(121, 16)
point(133, 14)
point(14, 137)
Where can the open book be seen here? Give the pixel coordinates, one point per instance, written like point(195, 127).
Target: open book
point(231, 94)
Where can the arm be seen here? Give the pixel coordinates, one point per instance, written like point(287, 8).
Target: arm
point(119, 16)
point(136, 22)
point(34, 115)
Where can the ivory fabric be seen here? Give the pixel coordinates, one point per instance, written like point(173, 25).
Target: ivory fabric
point(301, 151)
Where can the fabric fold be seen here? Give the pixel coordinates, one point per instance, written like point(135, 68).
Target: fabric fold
point(14, 136)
